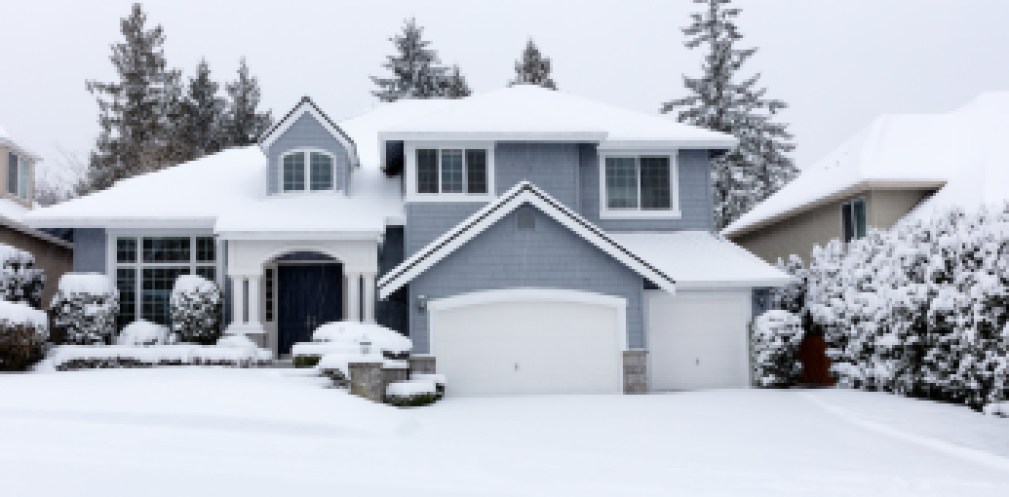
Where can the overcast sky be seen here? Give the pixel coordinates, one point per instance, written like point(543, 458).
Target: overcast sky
point(838, 63)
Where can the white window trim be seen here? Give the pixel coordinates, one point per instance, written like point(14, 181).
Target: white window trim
point(605, 212)
point(851, 202)
point(410, 163)
point(112, 264)
point(306, 151)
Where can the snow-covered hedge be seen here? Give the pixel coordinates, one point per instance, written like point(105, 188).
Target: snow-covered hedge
point(141, 333)
point(921, 309)
point(196, 309)
point(413, 393)
point(777, 335)
point(346, 337)
point(84, 309)
point(23, 334)
point(20, 281)
point(74, 357)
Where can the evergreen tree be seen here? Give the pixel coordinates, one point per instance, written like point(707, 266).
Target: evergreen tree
point(199, 130)
point(135, 112)
point(533, 68)
point(415, 68)
point(720, 100)
point(243, 124)
point(456, 85)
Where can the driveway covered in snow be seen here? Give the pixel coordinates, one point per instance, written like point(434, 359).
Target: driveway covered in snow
point(191, 431)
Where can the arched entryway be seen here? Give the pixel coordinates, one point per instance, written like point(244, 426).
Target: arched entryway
point(302, 290)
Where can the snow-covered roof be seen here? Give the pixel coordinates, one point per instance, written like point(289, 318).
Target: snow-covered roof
point(521, 194)
point(958, 153)
point(698, 259)
point(8, 141)
point(530, 112)
point(12, 210)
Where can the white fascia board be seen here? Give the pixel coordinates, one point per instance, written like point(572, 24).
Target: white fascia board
point(733, 284)
point(32, 232)
point(120, 223)
point(491, 214)
point(703, 144)
point(300, 235)
point(304, 107)
point(536, 136)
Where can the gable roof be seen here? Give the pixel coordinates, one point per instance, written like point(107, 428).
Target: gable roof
point(307, 105)
point(957, 153)
point(8, 141)
point(530, 112)
point(520, 194)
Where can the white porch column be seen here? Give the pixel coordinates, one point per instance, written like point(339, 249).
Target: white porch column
point(369, 297)
point(237, 300)
point(353, 297)
point(254, 294)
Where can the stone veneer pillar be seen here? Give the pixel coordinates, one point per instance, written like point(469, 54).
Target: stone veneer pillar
point(635, 371)
point(367, 380)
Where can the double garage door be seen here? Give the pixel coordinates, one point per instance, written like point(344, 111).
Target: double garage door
point(530, 341)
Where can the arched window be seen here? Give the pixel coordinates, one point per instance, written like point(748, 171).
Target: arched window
point(311, 170)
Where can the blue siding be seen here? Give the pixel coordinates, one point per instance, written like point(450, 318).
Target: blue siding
point(89, 250)
point(553, 167)
point(425, 221)
point(696, 205)
point(550, 256)
point(306, 132)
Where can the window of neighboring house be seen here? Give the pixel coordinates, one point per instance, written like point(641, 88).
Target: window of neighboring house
point(853, 219)
point(452, 171)
point(307, 170)
point(18, 175)
point(638, 185)
point(146, 268)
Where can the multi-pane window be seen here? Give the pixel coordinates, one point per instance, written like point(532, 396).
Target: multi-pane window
point(452, 170)
point(18, 175)
point(638, 183)
point(853, 219)
point(268, 300)
point(307, 170)
point(145, 279)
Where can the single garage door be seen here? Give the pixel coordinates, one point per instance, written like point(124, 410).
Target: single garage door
point(529, 342)
point(698, 339)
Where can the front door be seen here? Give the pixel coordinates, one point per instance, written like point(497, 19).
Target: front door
point(308, 295)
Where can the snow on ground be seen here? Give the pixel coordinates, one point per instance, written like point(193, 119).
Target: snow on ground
point(191, 431)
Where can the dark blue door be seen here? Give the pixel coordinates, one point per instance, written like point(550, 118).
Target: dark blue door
point(307, 297)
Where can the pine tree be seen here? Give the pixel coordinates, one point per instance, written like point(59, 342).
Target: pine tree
point(243, 123)
point(456, 85)
point(199, 130)
point(533, 68)
point(416, 71)
point(721, 101)
point(135, 112)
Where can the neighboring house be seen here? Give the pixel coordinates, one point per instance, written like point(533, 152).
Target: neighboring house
point(17, 197)
point(897, 167)
point(530, 240)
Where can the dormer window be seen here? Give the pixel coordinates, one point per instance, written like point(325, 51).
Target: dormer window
point(638, 186)
point(462, 173)
point(307, 170)
point(18, 175)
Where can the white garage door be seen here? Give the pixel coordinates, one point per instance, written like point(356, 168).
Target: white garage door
point(698, 339)
point(529, 341)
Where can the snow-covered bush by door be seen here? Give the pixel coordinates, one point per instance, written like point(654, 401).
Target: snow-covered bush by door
point(143, 333)
point(23, 334)
point(777, 335)
point(920, 309)
point(20, 281)
point(413, 393)
point(196, 309)
point(347, 337)
point(84, 309)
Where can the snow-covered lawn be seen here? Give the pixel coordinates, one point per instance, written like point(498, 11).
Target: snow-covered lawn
point(192, 431)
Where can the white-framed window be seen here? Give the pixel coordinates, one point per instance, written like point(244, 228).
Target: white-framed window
point(308, 170)
point(853, 219)
point(145, 268)
point(638, 185)
point(463, 172)
point(18, 175)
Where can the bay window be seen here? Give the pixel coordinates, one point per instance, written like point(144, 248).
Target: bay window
point(638, 186)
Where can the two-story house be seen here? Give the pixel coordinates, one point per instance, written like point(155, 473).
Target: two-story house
point(529, 240)
point(17, 197)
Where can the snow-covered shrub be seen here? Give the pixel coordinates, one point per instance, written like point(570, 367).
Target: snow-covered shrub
point(141, 333)
point(920, 309)
point(23, 334)
point(438, 379)
point(413, 393)
point(390, 342)
point(196, 309)
point(238, 342)
point(75, 357)
point(84, 309)
point(776, 338)
point(791, 297)
point(20, 281)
